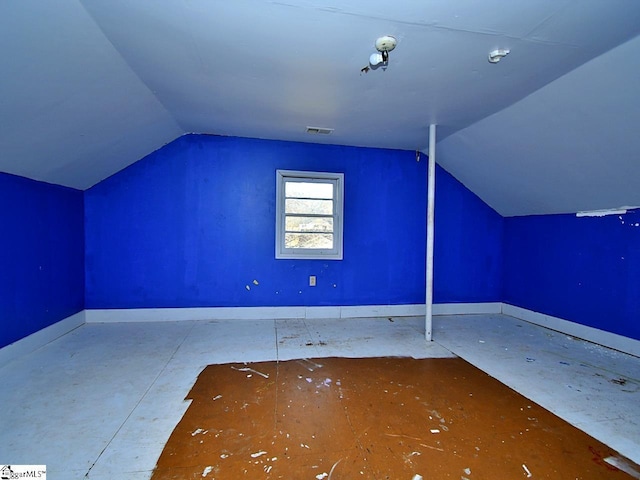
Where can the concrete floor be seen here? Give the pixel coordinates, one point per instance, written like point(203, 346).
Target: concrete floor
point(101, 401)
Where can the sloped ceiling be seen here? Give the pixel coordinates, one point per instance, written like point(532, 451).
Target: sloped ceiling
point(72, 111)
point(571, 146)
point(91, 86)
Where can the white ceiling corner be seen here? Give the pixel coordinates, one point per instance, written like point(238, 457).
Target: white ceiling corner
point(571, 146)
point(73, 112)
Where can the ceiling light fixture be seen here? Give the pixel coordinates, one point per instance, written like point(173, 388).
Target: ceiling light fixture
point(384, 45)
point(496, 55)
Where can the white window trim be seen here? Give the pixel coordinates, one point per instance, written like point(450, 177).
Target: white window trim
point(310, 254)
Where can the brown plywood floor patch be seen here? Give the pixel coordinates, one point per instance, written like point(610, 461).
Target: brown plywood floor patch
point(374, 418)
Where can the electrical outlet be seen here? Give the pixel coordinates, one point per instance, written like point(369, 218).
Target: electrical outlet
point(312, 280)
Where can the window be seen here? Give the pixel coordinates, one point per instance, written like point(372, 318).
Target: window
point(309, 215)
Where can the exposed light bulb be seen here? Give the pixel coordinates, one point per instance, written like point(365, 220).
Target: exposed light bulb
point(375, 59)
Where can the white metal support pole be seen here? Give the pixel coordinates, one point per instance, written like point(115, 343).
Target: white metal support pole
point(431, 198)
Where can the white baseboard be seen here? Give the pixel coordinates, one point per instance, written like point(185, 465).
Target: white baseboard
point(466, 308)
point(594, 335)
point(118, 315)
point(40, 338)
point(322, 312)
point(271, 313)
point(248, 313)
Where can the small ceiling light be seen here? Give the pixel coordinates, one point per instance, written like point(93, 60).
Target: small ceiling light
point(384, 45)
point(496, 55)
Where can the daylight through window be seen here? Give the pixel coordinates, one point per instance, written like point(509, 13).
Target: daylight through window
point(309, 221)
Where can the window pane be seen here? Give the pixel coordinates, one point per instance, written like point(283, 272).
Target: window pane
point(309, 215)
point(319, 207)
point(309, 224)
point(308, 190)
point(308, 240)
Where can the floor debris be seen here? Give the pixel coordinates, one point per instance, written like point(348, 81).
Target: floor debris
point(333, 468)
point(623, 464)
point(247, 369)
point(427, 422)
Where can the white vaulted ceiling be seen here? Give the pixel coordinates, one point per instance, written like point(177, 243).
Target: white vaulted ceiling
point(89, 87)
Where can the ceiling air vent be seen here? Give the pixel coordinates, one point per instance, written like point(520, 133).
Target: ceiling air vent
point(319, 130)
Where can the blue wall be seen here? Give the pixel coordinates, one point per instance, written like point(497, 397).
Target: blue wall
point(585, 270)
point(468, 245)
point(193, 224)
point(41, 256)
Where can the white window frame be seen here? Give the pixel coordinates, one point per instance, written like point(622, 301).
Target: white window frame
point(337, 179)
